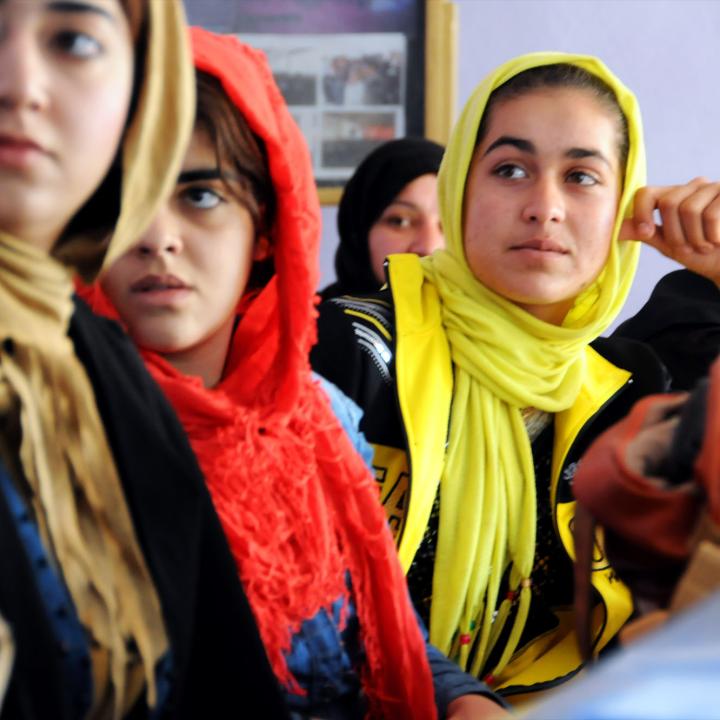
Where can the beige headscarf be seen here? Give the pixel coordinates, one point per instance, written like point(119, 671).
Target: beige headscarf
point(52, 434)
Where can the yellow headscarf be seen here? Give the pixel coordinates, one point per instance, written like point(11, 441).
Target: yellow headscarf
point(505, 360)
point(61, 450)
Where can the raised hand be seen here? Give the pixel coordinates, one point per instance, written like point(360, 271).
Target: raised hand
point(689, 231)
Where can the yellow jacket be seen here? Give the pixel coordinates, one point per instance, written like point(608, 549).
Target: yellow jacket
point(407, 319)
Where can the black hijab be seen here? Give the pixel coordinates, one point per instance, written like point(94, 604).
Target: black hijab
point(378, 180)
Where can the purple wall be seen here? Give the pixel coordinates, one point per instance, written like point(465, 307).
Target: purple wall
point(667, 51)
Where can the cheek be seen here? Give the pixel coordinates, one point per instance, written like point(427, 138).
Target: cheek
point(479, 231)
point(227, 271)
point(109, 122)
point(381, 243)
point(93, 137)
point(112, 281)
point(601, 231)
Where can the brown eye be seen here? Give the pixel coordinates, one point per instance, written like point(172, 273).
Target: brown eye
point(580, 177)
point(398, 221)
point(510, 171)
point(78, 44)
point(201, 198)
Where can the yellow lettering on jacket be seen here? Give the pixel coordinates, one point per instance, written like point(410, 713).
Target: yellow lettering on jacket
point(391, 472)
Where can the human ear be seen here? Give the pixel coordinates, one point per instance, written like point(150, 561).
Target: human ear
point(263, 248)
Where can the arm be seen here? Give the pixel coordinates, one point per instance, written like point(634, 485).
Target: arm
point(460, 696)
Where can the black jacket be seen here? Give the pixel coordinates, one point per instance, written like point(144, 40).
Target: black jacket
point(219, 666)
point(681, 322)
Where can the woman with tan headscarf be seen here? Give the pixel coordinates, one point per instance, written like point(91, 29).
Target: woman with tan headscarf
point(115, 579)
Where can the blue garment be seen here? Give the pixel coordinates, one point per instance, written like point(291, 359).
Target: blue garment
point(70, 634)
point(325, 659)
point(349, 414)
point(63, 618)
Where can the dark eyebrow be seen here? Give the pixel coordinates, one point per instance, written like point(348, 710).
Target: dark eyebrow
point(528, 147)
point(189, 176)
point(519, 143)
point(404, 203)
point(580, 153)
point(72, 6)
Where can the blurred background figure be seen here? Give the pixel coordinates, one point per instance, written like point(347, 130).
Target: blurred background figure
point(388, 206)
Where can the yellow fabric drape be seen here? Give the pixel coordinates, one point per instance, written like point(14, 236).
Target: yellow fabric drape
point(505, 360)
point(64, 455)
point(67, 463)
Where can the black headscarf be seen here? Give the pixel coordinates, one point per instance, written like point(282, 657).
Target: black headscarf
point(378, 180)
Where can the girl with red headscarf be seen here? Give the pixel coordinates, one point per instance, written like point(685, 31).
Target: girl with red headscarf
point(219, 296)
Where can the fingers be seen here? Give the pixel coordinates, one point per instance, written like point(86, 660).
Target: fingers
point(690, 217)
point(695, 220)
point(659, 410)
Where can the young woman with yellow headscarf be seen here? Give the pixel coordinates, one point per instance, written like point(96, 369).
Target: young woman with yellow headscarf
point(485, 350)
point(115, 579)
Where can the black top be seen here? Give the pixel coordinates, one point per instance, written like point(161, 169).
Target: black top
point(681, 322)
point(218, 659)
point(552, 574)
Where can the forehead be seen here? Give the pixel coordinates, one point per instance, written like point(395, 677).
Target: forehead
point(201, 150)
point(421, 189)
point(555, 118)
point(109, 8)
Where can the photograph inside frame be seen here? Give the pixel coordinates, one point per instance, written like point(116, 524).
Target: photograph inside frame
point(346, 91)
point(352, 72)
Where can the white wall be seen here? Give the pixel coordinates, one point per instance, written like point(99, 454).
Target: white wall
point(666, 51)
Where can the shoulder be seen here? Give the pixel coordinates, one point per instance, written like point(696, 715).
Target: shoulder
point(133, 409)
point(109, 356)
point(649, 374)
point(372, 311)
point(94, 335)
point(355, 342)
point(681, 299)
point(349, 415)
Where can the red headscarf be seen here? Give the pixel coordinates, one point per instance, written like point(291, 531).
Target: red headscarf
point(298, 505)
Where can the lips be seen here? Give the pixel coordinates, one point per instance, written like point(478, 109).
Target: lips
point(158, 283)
point(19, 142)
point(545, 245)
point(19, 152)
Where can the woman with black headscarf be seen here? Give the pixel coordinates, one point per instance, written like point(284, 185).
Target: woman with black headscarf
point(388, 206)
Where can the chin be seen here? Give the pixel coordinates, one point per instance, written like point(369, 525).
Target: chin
point(164, 343)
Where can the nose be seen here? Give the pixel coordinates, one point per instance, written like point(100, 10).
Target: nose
point(545, 202)
point(161, 238)
point(24, 80)
point(429, 237)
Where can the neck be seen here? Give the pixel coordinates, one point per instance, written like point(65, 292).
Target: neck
point(553, 314)
point(39, 235)
point(205, 360)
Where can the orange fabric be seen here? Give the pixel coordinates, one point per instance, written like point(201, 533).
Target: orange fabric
point(297, 503)
point(658, 519)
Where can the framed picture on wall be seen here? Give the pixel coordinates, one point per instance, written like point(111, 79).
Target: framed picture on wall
point(355, 73)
